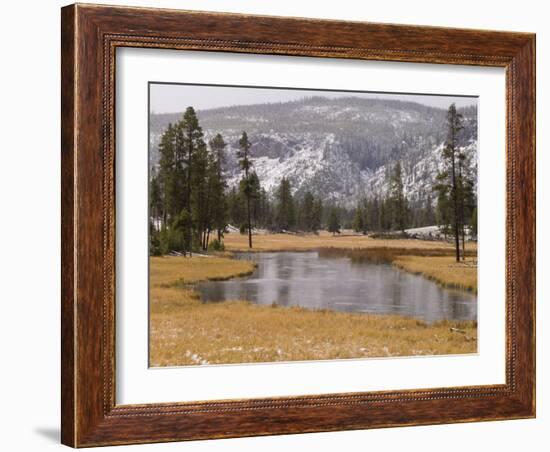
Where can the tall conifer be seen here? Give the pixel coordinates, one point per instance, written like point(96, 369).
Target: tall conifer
point(245, 163)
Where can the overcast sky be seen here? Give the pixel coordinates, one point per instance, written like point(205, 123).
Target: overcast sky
point(171, 98)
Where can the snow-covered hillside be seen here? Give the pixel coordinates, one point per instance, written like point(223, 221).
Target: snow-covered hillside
point(340, 149)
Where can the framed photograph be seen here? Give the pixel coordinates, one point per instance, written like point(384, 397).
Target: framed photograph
point(280, 225)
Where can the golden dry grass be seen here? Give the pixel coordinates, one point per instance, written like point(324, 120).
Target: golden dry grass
point(442, 269)
point(291, 242)
point(185, 331)
point(172, 270)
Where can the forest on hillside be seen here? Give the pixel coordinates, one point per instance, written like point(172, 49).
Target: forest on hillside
point(192, 204)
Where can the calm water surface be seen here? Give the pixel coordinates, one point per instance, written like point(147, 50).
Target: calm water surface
point(307, 280)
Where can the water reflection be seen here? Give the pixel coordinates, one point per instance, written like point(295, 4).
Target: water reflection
point(305, 279)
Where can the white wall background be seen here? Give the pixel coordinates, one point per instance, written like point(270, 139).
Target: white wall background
point(29, 227)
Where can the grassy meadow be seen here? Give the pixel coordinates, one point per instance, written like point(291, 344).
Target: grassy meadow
point(303, 242)
point(185, 331)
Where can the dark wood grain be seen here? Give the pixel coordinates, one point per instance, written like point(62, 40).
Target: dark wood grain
point(68, 311)
point(90, 36)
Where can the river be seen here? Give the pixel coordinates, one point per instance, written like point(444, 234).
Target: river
point(311, 281)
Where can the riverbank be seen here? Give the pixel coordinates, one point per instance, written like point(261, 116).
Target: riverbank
point(185, 331)
point(444, 270)
point(436, 264)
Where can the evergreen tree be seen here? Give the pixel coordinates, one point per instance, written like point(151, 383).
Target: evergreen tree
point(155, 200)
point(358, 222)
point(189, 143)
point(397, 202)
point(214, 206)
point(473, 224)
point(236, 207)
point(170, 176)
point(375, 214)
point(178, 235)
point(245, 163)
point(364, 205)
point(255, 192)
point(154, 240)
point(307, 211)
point(429, 214)
point(200, 195)
point(285, 207)
point(449, 185)
point(265, 211)
point(386, 214)
point(466, 196)
point(219, 202)
point(334, 221)
point(317, 215)
point(444, 206)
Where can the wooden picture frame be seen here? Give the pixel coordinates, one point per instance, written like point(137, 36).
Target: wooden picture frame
point(90, 35)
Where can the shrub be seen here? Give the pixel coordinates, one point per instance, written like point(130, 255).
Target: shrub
point(154, 241)
point(216, 245)
point(171, 240)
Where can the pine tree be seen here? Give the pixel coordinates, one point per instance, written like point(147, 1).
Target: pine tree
point(255, 192)
point(334, 221)
point(375, 215)
point(200, 195)
point(155, 200)
point(236, 207)
point(154, 240)
point(429, 214)
point(246, 187)
point(317, 215)
point(473, 224)
point(265, 211)
point(219, 202)
point(189, 141)
point(383, 215)
point(307, 211)
point(449, 184)
point(169, 176)
point(466, 195)
point(285, 207)
point(396, 200)
point(364, 204)
point(178, 235)
point(358, 222)
point(444, 206)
